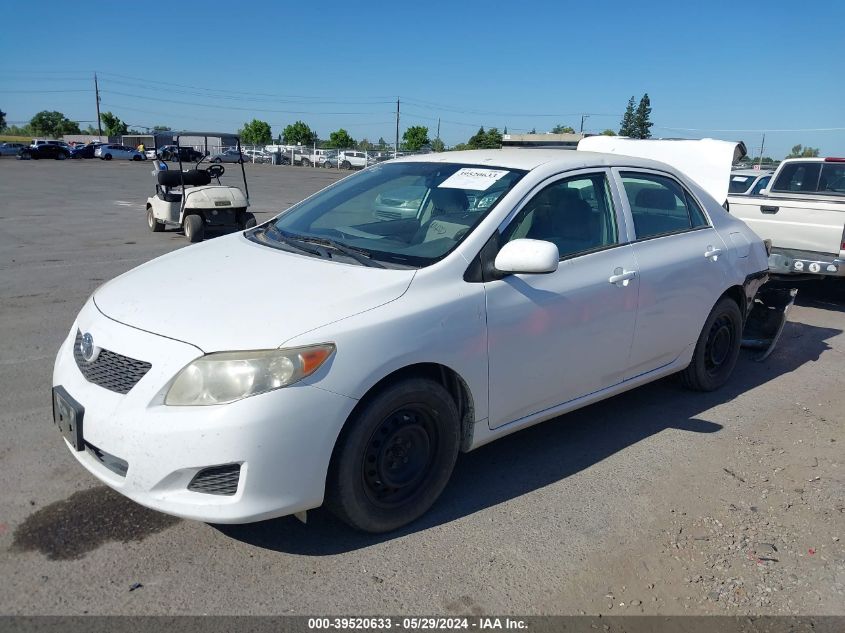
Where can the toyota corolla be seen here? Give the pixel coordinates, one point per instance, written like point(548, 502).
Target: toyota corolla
point(364, 353)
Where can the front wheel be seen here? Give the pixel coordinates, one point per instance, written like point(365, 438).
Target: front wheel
point(194, 227)
point(107, 156)
point(346, 165)
point(717, 348)
point(306, 162)
point(394, 457)
point(61, 156)
point(154, 225)
point(247, 221)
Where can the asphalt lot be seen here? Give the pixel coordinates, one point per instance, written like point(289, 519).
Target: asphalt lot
point(590, 512)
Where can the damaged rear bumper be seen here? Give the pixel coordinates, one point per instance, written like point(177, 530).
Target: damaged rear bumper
point(766, 319)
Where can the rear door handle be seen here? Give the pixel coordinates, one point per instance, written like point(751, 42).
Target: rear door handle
point(767, 209)
point(621, 277)
point(712, 253)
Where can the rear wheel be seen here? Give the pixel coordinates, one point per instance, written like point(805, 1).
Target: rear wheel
point(61, 156)
point(136, 157)
point(154, 225)
point(306, 162)
point(107, 156)
point(717, 348)
point(194, 227)
point(394, 457)
point(346, 165)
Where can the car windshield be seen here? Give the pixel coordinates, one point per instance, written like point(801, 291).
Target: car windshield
point(410, 214)
point(740, 183)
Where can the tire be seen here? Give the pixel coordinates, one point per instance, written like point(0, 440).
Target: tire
point(346, 165)
point(154, 225)
point(717, 348)
point(107, 156)
point(136, 158)
point(306, 162)
point(248, 221)
point(216, 160)
point(372, 485)
point(61, 156)
point(194, 228)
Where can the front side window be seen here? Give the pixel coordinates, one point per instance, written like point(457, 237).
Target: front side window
point(409, 214)
point(660, 206)
point(802, 177)
point(575, 214)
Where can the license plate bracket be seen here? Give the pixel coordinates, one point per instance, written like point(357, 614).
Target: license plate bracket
point(68, 415)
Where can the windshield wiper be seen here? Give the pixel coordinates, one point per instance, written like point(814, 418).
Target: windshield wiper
point(287, 240)
point(358, 254)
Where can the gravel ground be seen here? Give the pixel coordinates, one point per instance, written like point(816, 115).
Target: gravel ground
point(657, 501)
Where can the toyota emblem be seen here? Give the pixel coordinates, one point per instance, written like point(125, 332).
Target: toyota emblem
point(87, 349)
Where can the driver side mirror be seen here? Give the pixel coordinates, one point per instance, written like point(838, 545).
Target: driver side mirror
point(525, 256)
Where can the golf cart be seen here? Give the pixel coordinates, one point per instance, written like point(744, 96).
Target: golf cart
point(188, 199)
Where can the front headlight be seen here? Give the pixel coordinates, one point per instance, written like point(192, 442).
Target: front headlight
point(229, 376)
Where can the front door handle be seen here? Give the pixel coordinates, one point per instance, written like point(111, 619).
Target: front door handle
point(621, 277)
point(712, 253)
point(768, 209)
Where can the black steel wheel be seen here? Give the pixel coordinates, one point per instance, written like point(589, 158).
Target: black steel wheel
point(717, 348)
point(394, 456)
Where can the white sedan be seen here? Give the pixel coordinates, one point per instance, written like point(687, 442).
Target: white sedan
point(108, 152)
point(363, 354)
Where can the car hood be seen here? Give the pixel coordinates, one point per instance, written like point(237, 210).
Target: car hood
point(230, 293)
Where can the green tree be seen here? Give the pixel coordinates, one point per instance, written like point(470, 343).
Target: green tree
point(381, 142)
point(533, 130)
point(256, 133)
point(626, 127)
point(799, 151)
point(161, 128)
point(415, 137)
point(562, 129)
point(438, 145)
point(608, 132)
point(494, 139)
point(114, 126)
point(52, 123)
point(364, 145)
point(491, 139)
point(2, 120)
point(299, 132)
point(642, 118)
point(340, 139)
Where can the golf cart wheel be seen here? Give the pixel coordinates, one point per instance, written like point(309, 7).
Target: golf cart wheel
point(154, 225)
point(394, 456)
point(717, 348)
point(194, 227)
point(346, 165)
point(247, 221)
point(107, 156)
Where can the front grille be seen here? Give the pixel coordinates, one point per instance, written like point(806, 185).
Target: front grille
point(109, 370)
point(115, 464)
point(217, 480)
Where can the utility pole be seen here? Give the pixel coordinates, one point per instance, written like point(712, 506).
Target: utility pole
point(762, 145)
point(97, 94)
point(396, 147)
point(583, 116)
point(438, 128)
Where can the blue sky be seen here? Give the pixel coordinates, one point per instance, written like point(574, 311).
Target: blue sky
point(719, 69)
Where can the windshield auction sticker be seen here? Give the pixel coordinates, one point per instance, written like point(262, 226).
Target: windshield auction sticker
point(475, 178)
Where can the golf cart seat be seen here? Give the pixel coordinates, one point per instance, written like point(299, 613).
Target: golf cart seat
point(190, 178)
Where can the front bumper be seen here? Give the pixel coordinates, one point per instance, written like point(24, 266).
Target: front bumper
point(282, 440)
point(793, 262)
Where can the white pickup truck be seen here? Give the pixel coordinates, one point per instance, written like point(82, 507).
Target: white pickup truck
point(802, 213)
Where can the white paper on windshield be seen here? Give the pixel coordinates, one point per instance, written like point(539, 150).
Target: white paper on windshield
point(740, 178)
point(475, 178)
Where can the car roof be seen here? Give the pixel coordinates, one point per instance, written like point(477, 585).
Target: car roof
point(529, 158)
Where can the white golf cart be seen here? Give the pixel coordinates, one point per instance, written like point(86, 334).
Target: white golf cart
point(187, 199)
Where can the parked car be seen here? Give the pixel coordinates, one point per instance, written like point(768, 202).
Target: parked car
point(403, 202)
point(85, 151)
point(108, 152)
point(231, 155)
point(257, 156)
point(354, 160)
point(377, 350)
point(11, 149)
point(44, 150)
point(172, 153)
point(748, 182)
point(801, 212)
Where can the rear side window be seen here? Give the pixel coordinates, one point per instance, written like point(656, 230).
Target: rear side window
point(761, 184)
point(660, 206)
point(832, 180)
point(740, 183)
point(800, 177)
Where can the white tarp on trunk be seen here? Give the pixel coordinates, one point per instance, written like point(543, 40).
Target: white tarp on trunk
point(707, 161)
